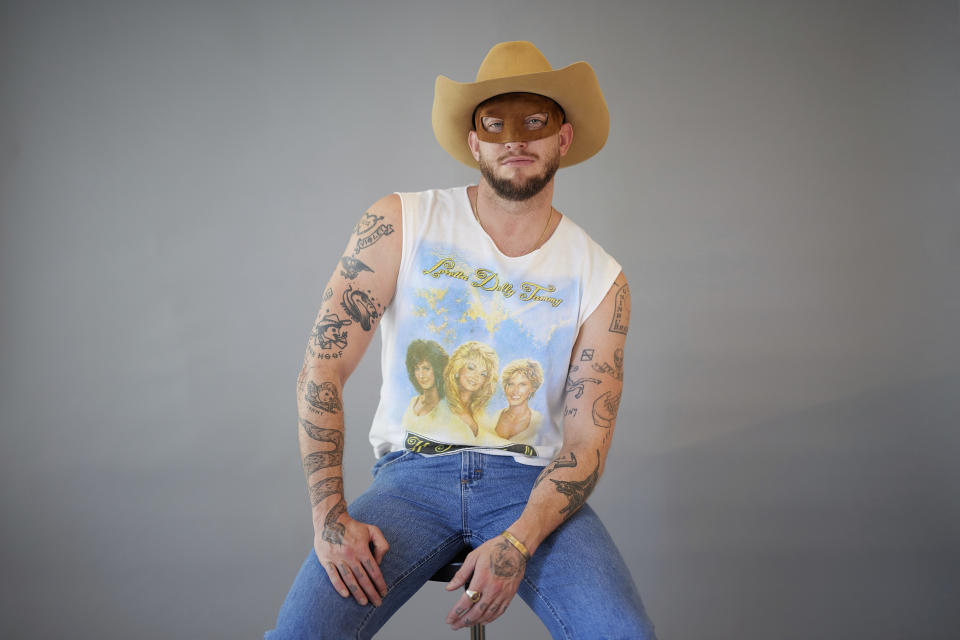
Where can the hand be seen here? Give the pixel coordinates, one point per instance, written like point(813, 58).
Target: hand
point(344, 550)
point(494, 570)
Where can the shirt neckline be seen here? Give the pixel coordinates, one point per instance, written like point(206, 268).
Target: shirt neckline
point(493, 245)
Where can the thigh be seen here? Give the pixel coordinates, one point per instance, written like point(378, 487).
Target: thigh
point(576, 582)
point(579, 586)
point(422, 538)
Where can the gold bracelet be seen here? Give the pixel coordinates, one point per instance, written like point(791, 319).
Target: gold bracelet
point(516, 543)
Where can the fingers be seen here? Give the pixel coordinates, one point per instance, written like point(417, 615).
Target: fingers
point(369, 592)
point(493, 612)
point(353, 570)
point(494, 598)
point(488, 608)
point(353, 581)
point(372, 564)
point(335, 580)
point(348, 579)
point(460, 612)
point(373, 571)
point(466, 612)
point(481, 613)
point(363, 580)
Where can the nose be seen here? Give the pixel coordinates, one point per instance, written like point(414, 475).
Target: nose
point(516, 145)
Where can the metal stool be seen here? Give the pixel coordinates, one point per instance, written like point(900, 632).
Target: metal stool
point(446, 573)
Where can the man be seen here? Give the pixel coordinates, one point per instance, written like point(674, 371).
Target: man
point(478, 277)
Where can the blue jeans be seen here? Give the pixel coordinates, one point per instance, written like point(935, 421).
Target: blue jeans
point(429, 508)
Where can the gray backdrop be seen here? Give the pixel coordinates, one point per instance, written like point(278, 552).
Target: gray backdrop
point(177, 181)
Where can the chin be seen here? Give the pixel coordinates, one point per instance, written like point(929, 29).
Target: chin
point(519, 188)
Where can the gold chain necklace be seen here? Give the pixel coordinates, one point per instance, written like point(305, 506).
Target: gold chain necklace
point(476, 215)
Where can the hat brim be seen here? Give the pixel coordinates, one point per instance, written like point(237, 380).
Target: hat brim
point(574, 88)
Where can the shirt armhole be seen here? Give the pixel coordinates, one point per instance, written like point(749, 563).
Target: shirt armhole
point(597, 285)
point(409, 207)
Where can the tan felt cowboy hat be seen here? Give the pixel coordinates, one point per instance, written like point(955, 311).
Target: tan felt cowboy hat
point(519, 66)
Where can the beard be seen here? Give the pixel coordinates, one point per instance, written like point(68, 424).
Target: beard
point(509, 190)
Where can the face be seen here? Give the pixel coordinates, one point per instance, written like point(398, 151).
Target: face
point(518, 145)
point(423, 372)
point(472, 376)
point(518, 389)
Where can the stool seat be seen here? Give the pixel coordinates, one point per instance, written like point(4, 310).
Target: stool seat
point(446, 572)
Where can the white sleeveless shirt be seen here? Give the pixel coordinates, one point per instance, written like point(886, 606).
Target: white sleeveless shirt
point(462, 314)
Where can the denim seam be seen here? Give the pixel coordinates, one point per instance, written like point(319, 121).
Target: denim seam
point(464, 461)
point(446, 543)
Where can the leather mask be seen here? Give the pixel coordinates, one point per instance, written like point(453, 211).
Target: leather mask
point(514, 110)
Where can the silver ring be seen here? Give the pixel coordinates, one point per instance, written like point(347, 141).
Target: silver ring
point(473, 595)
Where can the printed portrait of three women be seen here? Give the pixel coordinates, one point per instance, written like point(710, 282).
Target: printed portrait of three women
point(453, 394)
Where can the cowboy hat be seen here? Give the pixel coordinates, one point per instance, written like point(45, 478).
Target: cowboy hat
point(520, 67)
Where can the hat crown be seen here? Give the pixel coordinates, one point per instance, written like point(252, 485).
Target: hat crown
point(512, 59)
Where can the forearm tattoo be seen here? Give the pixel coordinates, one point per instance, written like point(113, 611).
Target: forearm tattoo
point(559, 463)
point(325, 488)
point(577, 491)
point(321, 460)
point(320, 434)
point(321, 490)
point(506, 561)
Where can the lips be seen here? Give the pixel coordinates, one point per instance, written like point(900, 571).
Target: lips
point(518, 160)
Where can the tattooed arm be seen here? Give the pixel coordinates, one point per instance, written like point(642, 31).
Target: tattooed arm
point(353, 301)
point(594, 383)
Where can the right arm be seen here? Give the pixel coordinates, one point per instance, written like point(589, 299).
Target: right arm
point(358, 292)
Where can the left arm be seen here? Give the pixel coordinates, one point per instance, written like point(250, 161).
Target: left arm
point(594, 384)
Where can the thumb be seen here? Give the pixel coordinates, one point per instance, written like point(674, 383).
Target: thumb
point(463, 574)
point(380, 544)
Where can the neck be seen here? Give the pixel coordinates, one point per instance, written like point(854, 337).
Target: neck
point(515, 226)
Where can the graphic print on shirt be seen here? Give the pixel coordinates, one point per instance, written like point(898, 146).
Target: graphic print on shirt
point(476, 355)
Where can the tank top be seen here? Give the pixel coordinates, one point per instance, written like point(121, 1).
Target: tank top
point(474, 337)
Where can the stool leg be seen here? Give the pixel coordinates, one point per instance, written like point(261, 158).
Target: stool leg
point(477, 632)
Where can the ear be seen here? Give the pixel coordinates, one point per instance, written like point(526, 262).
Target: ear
point(566, 137)
point(474, 143)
